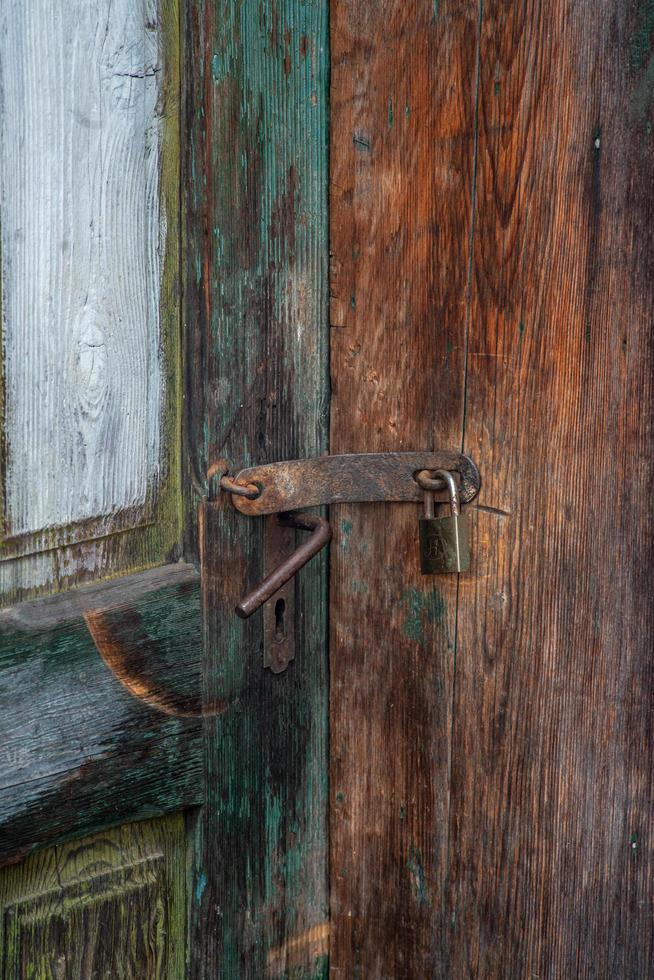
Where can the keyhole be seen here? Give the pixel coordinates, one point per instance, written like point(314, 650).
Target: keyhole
point(280, 630)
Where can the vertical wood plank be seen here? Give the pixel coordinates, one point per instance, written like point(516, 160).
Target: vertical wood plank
point(256, 364)
point(402, 152)
point(552, 789)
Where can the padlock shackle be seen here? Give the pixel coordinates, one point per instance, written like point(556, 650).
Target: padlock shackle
point(447, 477)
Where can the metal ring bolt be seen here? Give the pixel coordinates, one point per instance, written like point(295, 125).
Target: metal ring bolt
point(249, 490)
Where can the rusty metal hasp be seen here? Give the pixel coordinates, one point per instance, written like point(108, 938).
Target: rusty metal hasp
point(279, 488)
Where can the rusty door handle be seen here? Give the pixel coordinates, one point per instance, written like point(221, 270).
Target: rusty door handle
point(321, 534)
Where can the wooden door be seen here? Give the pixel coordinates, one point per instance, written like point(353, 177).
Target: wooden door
point(100, 632)
point(238, 232)
point(491, 234)
point(490, 250)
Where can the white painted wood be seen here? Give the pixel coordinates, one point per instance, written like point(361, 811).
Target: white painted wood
point(82, 247)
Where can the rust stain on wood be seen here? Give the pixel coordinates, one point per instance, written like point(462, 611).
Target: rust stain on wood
point(133, 659)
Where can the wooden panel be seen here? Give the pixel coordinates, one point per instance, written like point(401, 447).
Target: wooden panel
point(99, 707)
point(256, 289)
point(88, 203)
point(552, 791)
point(402, 142)
point(109, 906)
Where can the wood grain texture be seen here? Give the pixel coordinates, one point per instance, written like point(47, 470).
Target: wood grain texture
point(552, 774)
point(402, 150)
point(108, 906)
point(256, 366)
point(91, 737)
point(82, 238)
point(89, 198)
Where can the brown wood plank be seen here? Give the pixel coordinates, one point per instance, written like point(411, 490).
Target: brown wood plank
point(402, 149)
point(552, 789)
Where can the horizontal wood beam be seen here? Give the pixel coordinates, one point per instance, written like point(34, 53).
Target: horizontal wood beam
point(99, 708)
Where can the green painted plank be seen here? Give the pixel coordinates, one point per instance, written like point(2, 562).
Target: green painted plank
point(256, 290)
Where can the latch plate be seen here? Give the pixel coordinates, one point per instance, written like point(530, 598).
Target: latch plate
point(365, 477)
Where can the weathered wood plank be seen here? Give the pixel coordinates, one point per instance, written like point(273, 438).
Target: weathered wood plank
point(89, 197)
point(110, 906)
point(553, 789)
point(256, 291)
point(82, 236)
point(402, 147)
point(99, 707)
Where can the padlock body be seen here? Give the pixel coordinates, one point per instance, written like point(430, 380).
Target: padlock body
point(444, 545)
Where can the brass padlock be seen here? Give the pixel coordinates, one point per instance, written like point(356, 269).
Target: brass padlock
point(444, 541)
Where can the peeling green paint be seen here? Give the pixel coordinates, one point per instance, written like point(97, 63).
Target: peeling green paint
point(641, 63)
point(418, 877)
point(264, 151)
point(640, 46)
point(421, 607)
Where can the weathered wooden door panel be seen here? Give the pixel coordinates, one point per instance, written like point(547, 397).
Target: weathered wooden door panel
point(552, 806)
point(108, 906)
point(486, 737)
point(491, 218)
point(89, 202)
point(402, 164)
point(100, 709)
point(257, 353)
point(100, 684)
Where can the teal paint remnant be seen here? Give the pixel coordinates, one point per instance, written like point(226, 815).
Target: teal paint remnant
point(641, 62)
point(633, 840)
point(199, 888)
point(340, 797)
point(216, 69)
point(640, 46)
point(436, 9)
point(421, 607)
point(353, 302)
point(418, 878)
point(346, 528)
point(320, 968)
point(521, 327)
point(642, 97)
point(390, 113)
